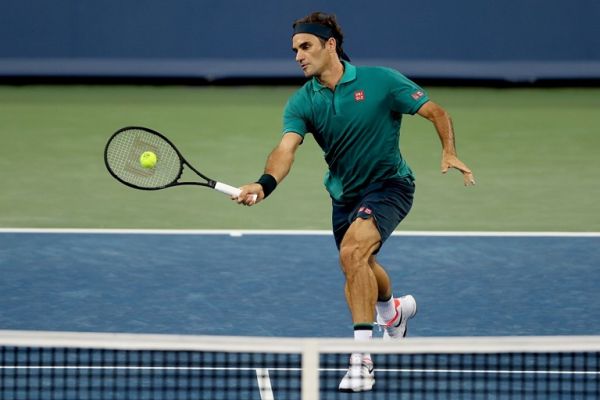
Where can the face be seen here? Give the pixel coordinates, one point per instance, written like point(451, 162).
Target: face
point(313, 57)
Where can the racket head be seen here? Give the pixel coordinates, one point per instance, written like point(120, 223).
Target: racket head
point(122, 158)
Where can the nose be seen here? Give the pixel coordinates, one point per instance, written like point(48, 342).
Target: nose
point(299, 56)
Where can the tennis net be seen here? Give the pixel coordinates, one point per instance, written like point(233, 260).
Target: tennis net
point(63, 365)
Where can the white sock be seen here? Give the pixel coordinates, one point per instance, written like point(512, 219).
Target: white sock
point(361, 335)
point(386, 309)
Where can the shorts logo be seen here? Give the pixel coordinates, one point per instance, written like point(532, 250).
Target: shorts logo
point(417, 95)
point(366, 210)
point(359, 95)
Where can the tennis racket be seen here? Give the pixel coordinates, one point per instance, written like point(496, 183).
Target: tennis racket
point(122, 158)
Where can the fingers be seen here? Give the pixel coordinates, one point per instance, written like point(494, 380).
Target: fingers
point(455, 163)
point(248, 200)
point(249, 195)
point(245, 199)
point(469, 179)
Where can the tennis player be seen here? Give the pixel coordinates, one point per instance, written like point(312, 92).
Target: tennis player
point(354, 114)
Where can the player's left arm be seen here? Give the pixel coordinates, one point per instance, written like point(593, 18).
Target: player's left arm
point(443, 125)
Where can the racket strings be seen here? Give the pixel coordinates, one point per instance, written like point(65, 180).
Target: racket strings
point(123, 159)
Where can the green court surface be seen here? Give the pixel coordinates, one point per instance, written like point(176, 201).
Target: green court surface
point(534, 153)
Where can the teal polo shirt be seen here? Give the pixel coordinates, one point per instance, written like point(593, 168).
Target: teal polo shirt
point(357, 125)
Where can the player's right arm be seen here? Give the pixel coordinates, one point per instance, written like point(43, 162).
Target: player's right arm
point(278, 165)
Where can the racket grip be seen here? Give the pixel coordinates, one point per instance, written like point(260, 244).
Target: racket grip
point(229, 190)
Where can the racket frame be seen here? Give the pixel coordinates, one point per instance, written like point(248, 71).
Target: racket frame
point(211, 183)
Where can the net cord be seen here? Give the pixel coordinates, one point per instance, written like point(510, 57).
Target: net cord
point(425, 345)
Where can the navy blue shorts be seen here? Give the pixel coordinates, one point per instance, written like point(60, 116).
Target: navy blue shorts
point(387, 202)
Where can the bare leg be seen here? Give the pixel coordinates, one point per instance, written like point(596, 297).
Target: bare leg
point(362, 281)
point(384, 286)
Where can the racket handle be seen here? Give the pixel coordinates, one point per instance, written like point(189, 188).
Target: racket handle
point(229, 190)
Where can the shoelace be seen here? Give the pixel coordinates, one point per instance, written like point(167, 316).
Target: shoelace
point(390, 323)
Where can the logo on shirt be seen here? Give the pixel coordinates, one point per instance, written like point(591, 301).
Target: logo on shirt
point(417, 95)
point(359, 95)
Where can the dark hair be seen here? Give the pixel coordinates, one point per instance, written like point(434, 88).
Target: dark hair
point(329, 21)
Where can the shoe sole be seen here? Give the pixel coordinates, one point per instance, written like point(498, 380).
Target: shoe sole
point(355, 391)
point(411, 299)
point(362, 389)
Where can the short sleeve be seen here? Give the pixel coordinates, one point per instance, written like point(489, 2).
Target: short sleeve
point(406, 96)
point(295, 115)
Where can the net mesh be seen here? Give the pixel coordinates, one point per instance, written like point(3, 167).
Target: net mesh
point(64, 373)
point(123, 154)
point(93, 366)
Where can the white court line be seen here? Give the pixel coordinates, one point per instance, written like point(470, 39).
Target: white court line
point(264, 384)
point(284, 232)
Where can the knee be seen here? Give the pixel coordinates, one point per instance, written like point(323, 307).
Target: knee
point(352, 258)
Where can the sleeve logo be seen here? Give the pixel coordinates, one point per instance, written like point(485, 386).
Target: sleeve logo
point(417, 95)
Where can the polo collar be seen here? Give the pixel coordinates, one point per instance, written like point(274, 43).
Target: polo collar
point(348, 76)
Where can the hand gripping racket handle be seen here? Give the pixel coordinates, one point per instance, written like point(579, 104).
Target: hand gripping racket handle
point(229, 190)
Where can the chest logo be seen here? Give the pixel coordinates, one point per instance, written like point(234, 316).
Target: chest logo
point(359, 95)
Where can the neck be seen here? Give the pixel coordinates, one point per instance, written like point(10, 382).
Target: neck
point(331, 76)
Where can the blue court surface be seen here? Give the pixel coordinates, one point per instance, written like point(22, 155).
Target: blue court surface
point(291, 284)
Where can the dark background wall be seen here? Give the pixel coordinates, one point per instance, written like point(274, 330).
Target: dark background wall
point(511, 40)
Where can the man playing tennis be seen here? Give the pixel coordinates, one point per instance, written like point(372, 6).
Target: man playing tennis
point(354, 114)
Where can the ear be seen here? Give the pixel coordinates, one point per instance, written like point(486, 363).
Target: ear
point(331, 44)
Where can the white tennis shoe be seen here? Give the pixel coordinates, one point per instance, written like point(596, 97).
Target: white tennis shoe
point(396, 328)
point(360, 376)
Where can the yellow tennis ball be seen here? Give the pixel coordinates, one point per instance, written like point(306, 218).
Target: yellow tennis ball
point(148, 159)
